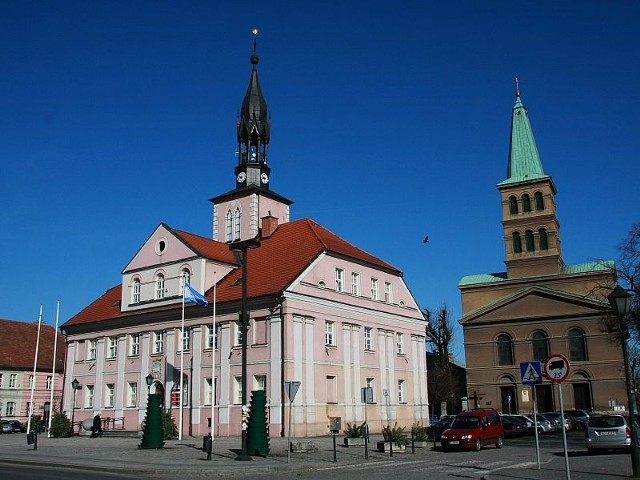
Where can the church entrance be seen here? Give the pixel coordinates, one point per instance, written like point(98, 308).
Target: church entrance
point(544, 401)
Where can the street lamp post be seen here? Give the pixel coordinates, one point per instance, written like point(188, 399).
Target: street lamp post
point(240, 249)
point(149, 380)
point(620, 301)
point(75, 384)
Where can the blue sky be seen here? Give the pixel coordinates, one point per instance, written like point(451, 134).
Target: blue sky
point(390, 121)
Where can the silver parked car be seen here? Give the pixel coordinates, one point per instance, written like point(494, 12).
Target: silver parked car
point(543, 424)
point(608, 432)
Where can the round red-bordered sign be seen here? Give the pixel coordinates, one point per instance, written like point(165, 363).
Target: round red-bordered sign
point(556, 368)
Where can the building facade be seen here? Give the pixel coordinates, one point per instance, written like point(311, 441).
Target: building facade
point(321, 311)
point(540, 305)
point(17, 356)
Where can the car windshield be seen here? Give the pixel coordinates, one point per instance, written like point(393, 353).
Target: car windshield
point(466, 422)
point(606, 422)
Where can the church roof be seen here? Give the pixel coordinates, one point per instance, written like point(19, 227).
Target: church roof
point(524, 160)
point(272, 267)
point(19, 348)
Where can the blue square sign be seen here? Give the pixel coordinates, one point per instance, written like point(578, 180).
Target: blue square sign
point(531, 372)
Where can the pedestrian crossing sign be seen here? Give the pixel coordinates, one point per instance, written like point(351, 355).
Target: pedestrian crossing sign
point(531, 372)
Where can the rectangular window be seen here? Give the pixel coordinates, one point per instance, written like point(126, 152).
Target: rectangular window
point(339, 280)
point(238, 334)
point(329, 333)
point(401, 392)
point(135, 293)
point(374, 289)
point(211, 341)
point(91, 349)
point(49, 382)
point(13, 380)
point(370, 384)
point(332, 389)
point(237, 390)
point(113, 347)
point(109, 394)
point(400, 343)
point(186, 337)
point(88, 396)
point(158, 342)
point(1, 377)
point(368, 338)
point(134, 345)
point(209, 391)
point(11, 409)
point(355, 284)
point(388, 292)
point(260, 331)
point(132, 394)
point(30, 382)
point(260, 382)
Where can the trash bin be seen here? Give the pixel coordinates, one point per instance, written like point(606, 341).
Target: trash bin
point(31, 438)
point(207, 444)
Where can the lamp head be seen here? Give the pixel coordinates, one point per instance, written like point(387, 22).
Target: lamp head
point(620, 301)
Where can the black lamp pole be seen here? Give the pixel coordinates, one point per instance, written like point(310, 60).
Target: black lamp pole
point(75, 384)
point(620, 301)
point(241, 248)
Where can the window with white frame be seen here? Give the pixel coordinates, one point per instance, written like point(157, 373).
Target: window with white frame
point(11, 409)
point(186, 340)
point(237, 390)
point(209, 391)
point(339, 280)
point(368, 338)
point(400, 343)
point(30, 381)
point(238, 334)
point(401, 392)
point(134, 345)
point(330, 333)
point(355, 284)
point(211, 341)
point(88, 396)
point(159, 286)
point(374, 289)
point(113, 347)
point(13, 380)
point(388, 292)
point(158, 342)
point(109, 394)
point(92, 346)
point(185, 278)
point(135, 291)
point(185, 390)
point(370, 383)
point(228, 226)
point(260, 382)
point(236, 224)
point(132, 394)
point(49, 382)
point(1, 378)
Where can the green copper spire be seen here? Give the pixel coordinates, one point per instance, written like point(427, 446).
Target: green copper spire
point(524, 160)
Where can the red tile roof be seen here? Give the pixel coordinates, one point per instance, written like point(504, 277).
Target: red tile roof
point(279, 260)
point(18, 346)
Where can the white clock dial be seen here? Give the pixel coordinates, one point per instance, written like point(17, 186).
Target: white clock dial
point(265, 178)
point(241, 177)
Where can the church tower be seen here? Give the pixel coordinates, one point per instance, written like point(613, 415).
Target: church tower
point(529, 216)
point(251, 208)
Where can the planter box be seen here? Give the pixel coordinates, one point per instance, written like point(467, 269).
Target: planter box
point(385, 446)
point(423, 444)
point(354, 442)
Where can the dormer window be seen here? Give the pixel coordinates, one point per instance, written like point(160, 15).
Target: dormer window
point(236, 225)
point(135, 291)
point(185, 278)
point(159, 286)
point(228, 226)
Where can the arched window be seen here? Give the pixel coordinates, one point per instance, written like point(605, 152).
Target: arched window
point(526, 203)
point(517, 242)
point(135, 291)
point(577, 345)
point(542, 238)
point(228, 226)
point(159, 286)
point(539, 201)
point(236, 225)
point(540, 346)
point(505, 349)
point(513, 205)
point(528, 238)
point(185, 277)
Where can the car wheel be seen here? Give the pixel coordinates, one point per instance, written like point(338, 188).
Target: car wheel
point(500, 442)
point(477, 445)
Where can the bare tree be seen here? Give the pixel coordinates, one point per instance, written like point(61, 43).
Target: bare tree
point(628, 271)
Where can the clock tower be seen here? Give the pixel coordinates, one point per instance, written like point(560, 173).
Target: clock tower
point(239, 213)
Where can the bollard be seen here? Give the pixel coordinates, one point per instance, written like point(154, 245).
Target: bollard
point(413, 446)
point(335, 456)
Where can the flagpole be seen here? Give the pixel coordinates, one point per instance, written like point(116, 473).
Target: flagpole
point(213, 361)
point(35, 364)
point(53, 370)
point(181, 384)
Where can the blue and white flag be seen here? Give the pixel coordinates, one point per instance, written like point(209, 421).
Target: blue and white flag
point(191, 295)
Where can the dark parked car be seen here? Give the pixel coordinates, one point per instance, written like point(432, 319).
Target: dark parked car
point(580, 418)
point(513, 426)
point(6, 427)
point(434, 432)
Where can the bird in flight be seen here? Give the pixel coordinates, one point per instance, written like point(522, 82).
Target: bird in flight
point(426, 239)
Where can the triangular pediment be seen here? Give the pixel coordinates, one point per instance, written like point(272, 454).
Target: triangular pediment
point(534, 302)
point(161, 248)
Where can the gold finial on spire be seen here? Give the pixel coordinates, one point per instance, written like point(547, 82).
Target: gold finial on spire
point(255, 34)
point(517, 82)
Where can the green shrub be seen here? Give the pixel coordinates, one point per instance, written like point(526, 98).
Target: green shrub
point(395, 435)
point(36, 423)
point(354, 430)
point(60, 425)
point(419, 432)
point(169, 429)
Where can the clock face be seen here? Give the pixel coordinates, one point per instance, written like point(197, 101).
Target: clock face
point(241, 177)
point(265, 178)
